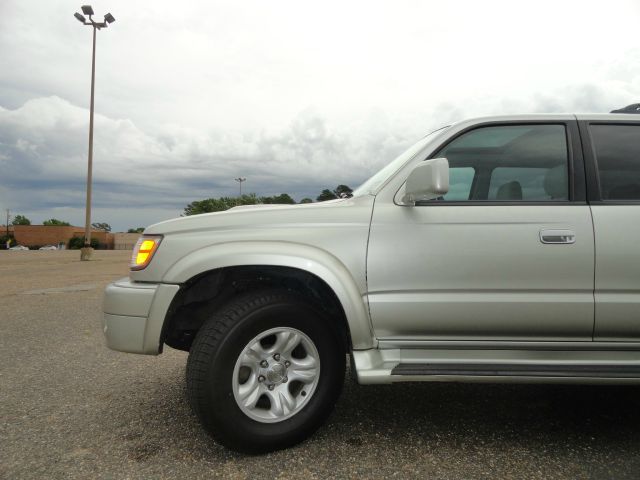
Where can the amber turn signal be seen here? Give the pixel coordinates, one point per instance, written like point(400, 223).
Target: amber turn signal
point(143, 252)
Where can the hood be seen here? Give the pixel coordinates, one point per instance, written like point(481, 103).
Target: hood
point(247, 216)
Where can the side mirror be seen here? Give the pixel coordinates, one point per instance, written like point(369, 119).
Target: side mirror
point(427, 181)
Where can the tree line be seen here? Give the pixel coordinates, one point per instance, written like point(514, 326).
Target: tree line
point(54, 222)
point(22, 220)
point(209, 205)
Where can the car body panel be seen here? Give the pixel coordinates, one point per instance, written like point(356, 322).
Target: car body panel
point(327, 239)
point(314, 260)
point(480, 273)
point(617, 235)
point(124, 297)
point(134, 314)
point(617, 280)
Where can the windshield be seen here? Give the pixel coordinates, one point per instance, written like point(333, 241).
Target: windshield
point(379, 178)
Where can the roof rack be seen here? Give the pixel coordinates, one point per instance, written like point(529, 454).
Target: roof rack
point(633, 108)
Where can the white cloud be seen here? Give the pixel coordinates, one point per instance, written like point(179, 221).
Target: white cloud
point(46, 165)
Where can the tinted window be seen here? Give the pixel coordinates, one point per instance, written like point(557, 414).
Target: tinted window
point(530, 180)
point(460, 181)
point(510, 163)
point(617, 150)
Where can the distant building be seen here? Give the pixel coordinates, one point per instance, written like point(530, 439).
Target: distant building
point(39, 235)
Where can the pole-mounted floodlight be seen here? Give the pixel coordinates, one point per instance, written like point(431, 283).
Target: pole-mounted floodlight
point(240, 180)
point(88, 11)
point(108, 18)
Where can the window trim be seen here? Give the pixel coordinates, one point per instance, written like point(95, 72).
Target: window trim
point(594, 195)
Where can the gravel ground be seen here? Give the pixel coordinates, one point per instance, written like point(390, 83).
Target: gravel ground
point(71, 408)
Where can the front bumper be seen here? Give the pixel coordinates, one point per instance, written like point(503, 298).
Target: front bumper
point(134, 314)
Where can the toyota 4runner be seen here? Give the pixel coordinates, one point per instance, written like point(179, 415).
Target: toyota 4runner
point(502, 249)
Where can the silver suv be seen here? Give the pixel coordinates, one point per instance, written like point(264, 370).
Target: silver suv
point(501, 249)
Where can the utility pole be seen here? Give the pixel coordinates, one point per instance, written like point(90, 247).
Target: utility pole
point(8, 211)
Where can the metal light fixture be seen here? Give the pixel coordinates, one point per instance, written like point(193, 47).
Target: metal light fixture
point(108, 18)
point(240, 180)
point(88, 11)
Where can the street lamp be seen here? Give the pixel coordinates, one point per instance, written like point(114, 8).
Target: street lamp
point(108, 18)
point(240, 180)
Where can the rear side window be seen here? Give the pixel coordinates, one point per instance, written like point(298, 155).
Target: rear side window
point(617, 149)
point(509, 163)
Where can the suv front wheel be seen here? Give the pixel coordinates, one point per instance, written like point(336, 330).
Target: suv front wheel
point(265, 371)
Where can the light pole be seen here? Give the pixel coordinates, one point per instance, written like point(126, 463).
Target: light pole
point(240, 180)
point(108, 18)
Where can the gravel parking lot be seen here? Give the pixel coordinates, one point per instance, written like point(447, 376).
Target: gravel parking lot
point(71, 408)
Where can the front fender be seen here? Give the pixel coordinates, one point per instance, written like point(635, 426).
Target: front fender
point(285, 254)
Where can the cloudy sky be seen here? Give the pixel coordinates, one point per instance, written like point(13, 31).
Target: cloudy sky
point(295, 95)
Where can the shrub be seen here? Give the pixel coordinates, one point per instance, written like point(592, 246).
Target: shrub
point(76, 243)
point(3, 241)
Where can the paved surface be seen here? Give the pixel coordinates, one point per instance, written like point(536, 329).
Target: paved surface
point(70, 408)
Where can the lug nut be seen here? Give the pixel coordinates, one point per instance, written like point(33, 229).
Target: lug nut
point(270, 387)
point(287, 363)
point(264, 364)
point(276, 357)
point(285, 380)
point(261, 378)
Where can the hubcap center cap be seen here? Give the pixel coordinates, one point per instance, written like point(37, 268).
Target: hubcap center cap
point(276, 373)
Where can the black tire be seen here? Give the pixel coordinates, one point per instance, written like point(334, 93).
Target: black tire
point(214, 353)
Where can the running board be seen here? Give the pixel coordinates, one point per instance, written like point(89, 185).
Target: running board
point(377, 366)
point(515, 370)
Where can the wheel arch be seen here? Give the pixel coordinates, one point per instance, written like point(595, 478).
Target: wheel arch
point(203, 273)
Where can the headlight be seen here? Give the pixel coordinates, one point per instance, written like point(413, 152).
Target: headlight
point(143, 252)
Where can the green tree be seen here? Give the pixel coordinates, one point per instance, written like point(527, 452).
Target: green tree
point(306, 200)
point(105, 227)
point(20, 220)
point(219, 204)
point(209, 205)
point(136, 230)
point(283, 198)
point(325, 195)
point(3, 241)
point(76, 243)
point(56, 222)
point(343, 191)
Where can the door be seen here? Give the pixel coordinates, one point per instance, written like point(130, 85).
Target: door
point(615, 202)
point(506, 254)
